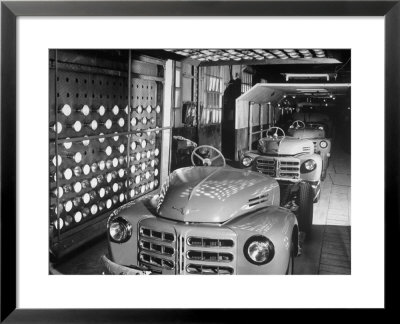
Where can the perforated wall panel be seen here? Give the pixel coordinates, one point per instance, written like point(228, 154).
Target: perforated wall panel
point(102, 154)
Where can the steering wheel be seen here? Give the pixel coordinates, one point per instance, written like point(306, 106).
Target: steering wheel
point(298, 124)
point(207, 161)
point(277, 129)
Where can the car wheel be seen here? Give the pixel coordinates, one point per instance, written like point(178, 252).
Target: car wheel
point(306, 209)
point(290, 266)
point(284, 194)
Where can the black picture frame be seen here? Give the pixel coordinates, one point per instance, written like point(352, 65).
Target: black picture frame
point(10, 10)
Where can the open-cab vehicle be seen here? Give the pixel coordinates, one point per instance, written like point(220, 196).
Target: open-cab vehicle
point(208, 219)
point(295, 162)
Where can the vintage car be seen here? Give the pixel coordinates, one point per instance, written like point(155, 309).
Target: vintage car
point(209, 219)
point(316, 133)
point(315, 118)
point(296, 166)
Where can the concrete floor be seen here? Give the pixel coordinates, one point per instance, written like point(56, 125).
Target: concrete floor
point(326, 252)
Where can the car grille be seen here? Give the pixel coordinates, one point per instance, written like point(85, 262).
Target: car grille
point(206, 269)
point(172, 250)
point(215, 255)
point(267, 166)
point(281, 167)
point(157, 248)
point(207, 242)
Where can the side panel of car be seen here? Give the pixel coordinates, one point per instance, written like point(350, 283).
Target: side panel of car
point(275, 223)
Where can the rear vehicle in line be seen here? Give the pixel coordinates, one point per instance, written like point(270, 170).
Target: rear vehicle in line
point(295, 165)
point(316, 133)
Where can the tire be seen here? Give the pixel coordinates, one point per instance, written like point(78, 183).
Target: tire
point(290, 266)
point(284, 194)
point(306, 207)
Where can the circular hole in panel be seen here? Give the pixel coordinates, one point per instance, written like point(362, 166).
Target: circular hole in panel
point(108, 164)
point(77, 171)
point(68, 174)
point(93, 209)
point(86, 198)
point(94, 166)
point(109, 203)
point(59, 224)
point(78, 216)
point(67, 145)
point(102, 192)
point(102, 165)
point(86, 169)
point(68, 206)
point(77, 187)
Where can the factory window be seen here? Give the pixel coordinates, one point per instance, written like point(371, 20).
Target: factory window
point(247, 81)
point(211, 83)
point(185, 96)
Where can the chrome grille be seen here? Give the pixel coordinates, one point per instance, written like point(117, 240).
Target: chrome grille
point(179, 248)
point(289, 169)
point(280, 167)
point(209, 242)
point(156, 248)
point(209, 256)
point(266, 166)
point(150, 233)
point(156, 261)
point(208, 269)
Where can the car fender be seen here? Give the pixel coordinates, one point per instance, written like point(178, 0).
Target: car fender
point(314, 175)
point(278, 225)
point(133, 212)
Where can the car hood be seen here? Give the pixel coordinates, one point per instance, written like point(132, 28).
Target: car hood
point(285, 146)
point(215, 194)
point(307, 133)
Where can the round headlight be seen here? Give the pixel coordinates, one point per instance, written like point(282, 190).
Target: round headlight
point(247, 161)
point(309, 165)
point(259, 250)
point(120, 230)
point(323, 144)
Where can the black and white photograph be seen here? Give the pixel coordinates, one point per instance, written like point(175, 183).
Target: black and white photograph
point(206, 139)
point(200, 161)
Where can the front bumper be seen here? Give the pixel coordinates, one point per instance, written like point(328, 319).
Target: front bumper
point(117, 269)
